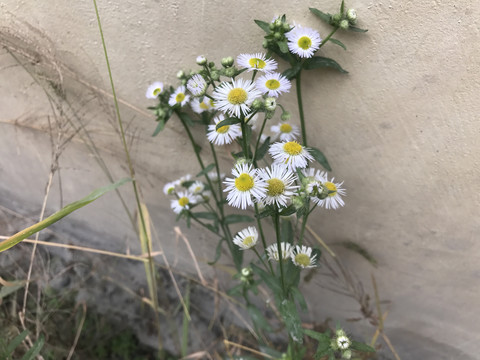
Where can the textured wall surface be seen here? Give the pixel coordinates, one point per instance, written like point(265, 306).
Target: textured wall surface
point(401, 129)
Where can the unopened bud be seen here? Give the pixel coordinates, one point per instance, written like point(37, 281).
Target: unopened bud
point(278, 23)
point(344, 24)
point(277, 36)
point(201, 60)
point(336, 18)
point(227, 61)
point(297, 201)
point(270, 103)
point(257, 104)
point(180, 74)
point(230, 71)
point(160, 113)
point(271, 26)
point(347, 354)
point(286, 27)
point(265, 43)
point(285, 116)
point(215, 75)
point(352, 16)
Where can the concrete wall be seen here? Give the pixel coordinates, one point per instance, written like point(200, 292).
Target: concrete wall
point(401, 130)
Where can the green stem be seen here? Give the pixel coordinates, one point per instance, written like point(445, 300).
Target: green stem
point(258, 141)
point(260, 258)
point(298, 82)
point(328, 38)
point(203, 224)
point(280, 252)
point(244, 138)
point(262, 236)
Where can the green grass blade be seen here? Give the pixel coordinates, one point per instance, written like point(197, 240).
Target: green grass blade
point(186, 323)
point(25, 233)
point(16, 342)
point(35, 349)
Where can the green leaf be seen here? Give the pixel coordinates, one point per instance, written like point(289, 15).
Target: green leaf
point(325, 17)
point(160, 127)
point(320, 157)
point(282, 45)
point(289, 210)
point(342, 7)
point(35, 349)
point(186, 118)
point(229, 121)
point(321, 62)
point(338, 42)
point(233, 219)
point(270, 281)
point(262, 150)
point(286, 231)
point(298, 296)
point(267, 212)
point(16, 342)
point(293, 71)
point(323, 342)
point(290, 316)
point(361, 346)
point(205, 215)
point(360, 250)
point(263, 25)
point(356, 29)
point(25, 233)
point(258, 318)
point(269, 351)
point(11, 288)
point(218, 252)
point(206, 170)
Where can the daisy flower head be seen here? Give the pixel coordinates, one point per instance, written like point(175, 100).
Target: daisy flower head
point(274, 254)
point(201, 106)
point(334, 198)
point(235, 98)
point(302, 257)
point(256, 62)
point(224, 134)
point(213, 176)
point(285, 131)
point(273, 84)
point(169, 188)
point(280, 184)
point(290, 153)
point(179, 97)
point(197, 85)
point(247, 238)
point(183, 180)
point(154, 90)
point(303, 41)
point(184, 201)
point(197, 187)
point(243, 186)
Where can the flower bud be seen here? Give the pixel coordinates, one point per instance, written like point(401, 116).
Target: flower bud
point(215, 75)
point(278, 23)
point(277, 36)
point(246, 272)
point(265, 43)
point(297, 201)
point(160, 113)
point(270, 103)
point(201, 60)
point(241, 161)
point(336, 18)
point(344, 24)
point(286, 27)
point(257, 104)
point(347, 354)
point(180, 74)
point(352, 16)
point(285, 116)
point(230, 72)
point(227, 61)
point(271, 26)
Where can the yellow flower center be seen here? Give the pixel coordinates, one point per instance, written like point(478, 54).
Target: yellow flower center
point(302, 259)
point(292, 148)
point(285, 128)
point(275, 187)
point(244, 182)
point(179, 98)
point(248, 241)
point(223, 129)
point(237, 96)
point(304, 42)
point(212, 104)
point(157, 91)
point(183, 201)
point(257, 63)
point(272, 84)
point(203, 106)
point(331, 187)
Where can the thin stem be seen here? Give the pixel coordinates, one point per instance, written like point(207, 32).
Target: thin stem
point(262, 236)
point(280, 252)
point(203, 224)
point(258, 141)
point(328, 37)
point(298, 82)
point(261, 259)
point(244, 138)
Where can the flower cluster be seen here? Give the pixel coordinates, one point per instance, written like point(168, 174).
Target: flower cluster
point(187, 193)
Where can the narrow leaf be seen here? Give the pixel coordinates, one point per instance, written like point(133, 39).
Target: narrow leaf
point(263, 25)
point(25, 233)
point(317, 62)
point(282, 45)
point(35, 349)
point(320, 157)
point(145, 235)
point(361, 346)
point(356, 29)
point(338, 42)
point(160, 127)
point(292, 72)
point(360, 250)
point(262, 150)
point(218, 252)
point(292, 320)
point(186, 118)
point(233, 219)
point(325, 17)
point(342, 7)
point(205, 215)
point(258, 318)
point(206, 170)
point(11, 288)
point(229, 121)
point(289, 210)
point(16, 342)
point(270, 281)
point(299, 298)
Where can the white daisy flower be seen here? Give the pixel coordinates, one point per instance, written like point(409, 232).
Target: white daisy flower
point(183, 180)
point(184, 201)
point(247, 238)
point(201, 106)
point(273, 253)
point(303, 41)
point(285, 131)
point(212, 175)
point(273, 84)
point(334, 199)
point(179, 97)
point(235, 98)
point(280, 184)
point(224, 134)
point(302, 257)
point(197, 85)
point(256, 62)
point(343, 342)
point(245, 185)
point(291, 154)
point(169, 188)
point(201, 60)
point(154, 90)
point(197, 187)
